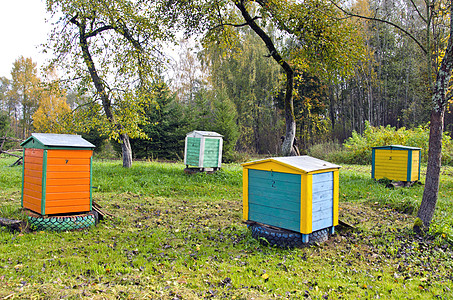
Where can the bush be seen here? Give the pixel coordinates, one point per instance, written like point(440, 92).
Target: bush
point(357, 149)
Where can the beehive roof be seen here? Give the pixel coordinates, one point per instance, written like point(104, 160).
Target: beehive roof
point(303, 163)
point(59, 140)
point(390, 147)
point(205, 133)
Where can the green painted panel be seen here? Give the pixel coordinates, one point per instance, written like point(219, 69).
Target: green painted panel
point(211, 153)
point(274, 198)
point(280, 176)
point(274, 220)
point(284, 196)
point(193, 151)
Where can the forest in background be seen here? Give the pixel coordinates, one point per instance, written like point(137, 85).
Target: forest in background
point(238, 91)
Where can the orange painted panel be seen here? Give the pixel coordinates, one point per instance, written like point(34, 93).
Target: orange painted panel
point(32, 173)
point(67, 209)
point(68, 175)
point(65, 181)
point(32, 186)
point(69, 154)
point(33, 180)
point(33, 160)
point(34, 152)
point(67, 188)
point(62, 203)
point(71, 160)
point(33, 166)
point(68, 168)
point(32, 193)
point(67, 196)
point(32, 206)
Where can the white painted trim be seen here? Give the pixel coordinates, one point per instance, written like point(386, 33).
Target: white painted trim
point(185, 151)
point(220, 152)
point(201, 159)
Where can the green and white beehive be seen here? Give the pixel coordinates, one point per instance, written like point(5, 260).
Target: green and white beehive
point(203, 149)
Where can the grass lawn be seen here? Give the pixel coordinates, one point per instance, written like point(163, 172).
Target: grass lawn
point(179, 236)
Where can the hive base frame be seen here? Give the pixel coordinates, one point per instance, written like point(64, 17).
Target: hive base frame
point(61, 222)
point(283, 238)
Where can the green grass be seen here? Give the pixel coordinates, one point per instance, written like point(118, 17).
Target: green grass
point(179, 236)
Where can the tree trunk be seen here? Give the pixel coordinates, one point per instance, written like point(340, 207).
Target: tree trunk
point(100, 88)
point(431, 191)
point(126, 150)
point(290, 132)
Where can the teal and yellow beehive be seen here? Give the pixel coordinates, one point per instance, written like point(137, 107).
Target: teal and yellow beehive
point(396, 162)
point(203, 149)
point(298, 193)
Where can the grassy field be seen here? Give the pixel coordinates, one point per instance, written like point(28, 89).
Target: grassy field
point(178, 236)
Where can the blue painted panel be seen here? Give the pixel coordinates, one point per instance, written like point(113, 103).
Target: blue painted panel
point(322, 206)
point(320, 177)
point(322, 201)
point(321, 224)
point(274, 198)
point(322, 214)
point(323, 196)
point(322, 186)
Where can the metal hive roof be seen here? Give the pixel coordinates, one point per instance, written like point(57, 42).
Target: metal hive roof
point(60, 140)
point(303, 163)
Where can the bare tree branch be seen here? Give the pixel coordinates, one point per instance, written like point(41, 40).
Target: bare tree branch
point(383, 21)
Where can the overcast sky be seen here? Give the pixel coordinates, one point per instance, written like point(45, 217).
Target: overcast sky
point(23, 29)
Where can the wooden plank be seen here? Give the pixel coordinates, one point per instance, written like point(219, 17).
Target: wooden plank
point(322, 223)
point(274, 221)
point(71, 161)
point(322, 206)
point(34, 167)
point(322, 196)
point(69, 154)
point(67, 175)
point(322, 177)
point(33, 180)
point(33, 160)
point(275, 202)
point(68, 168)
point(67, 203)
point(284, 177)
point(33, 193)
point(39, 153)
point(67, 196)
point(272, 166)
point(33, 187)
point(274, 185)
point(322, 186)
point(306, 203)
point(33, 173)
point(67, 188)
point(67, 181)
point(67, 209)
point(336, 196)
point(245, 194)
point(275, 197)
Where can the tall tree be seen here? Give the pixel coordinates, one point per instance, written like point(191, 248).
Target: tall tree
point(25, 91)
point(319, 36)
point(432, 14)
point(111, 47)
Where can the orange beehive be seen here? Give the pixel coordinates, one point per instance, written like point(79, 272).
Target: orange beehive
point(57, 174)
